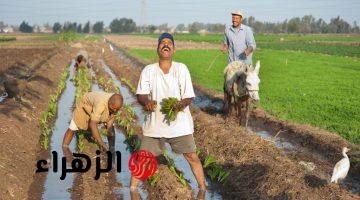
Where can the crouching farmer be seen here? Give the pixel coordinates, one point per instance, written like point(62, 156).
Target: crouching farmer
point(95, 108)
point(82, 59)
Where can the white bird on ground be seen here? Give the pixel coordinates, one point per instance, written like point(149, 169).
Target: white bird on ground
point(341, 168)
point(111, 47)
point(103, 51)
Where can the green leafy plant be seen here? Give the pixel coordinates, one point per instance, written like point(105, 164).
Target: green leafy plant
point(168, 107)
point(48, 115)
point(83, 81)
point(223, 175)
point(154, 179)
point(215, 171)
point(80, 140)
point(210, 159)
point(179, 175)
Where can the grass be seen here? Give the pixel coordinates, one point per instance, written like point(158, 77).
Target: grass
point(7, 39)
point(332, 44)
point(303, 87)
point(216, 38)
point(331, 49)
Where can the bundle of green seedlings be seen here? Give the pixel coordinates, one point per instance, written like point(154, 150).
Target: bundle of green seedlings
point(83, 83)
point(49, 115)
point(169, 108)
point(214, 170)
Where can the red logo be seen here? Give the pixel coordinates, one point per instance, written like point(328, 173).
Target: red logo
point(142, 164)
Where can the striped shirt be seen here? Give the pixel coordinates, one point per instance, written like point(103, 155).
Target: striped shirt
point(237, 41)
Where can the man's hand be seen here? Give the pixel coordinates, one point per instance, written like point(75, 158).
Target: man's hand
point(104, 147)
point(150, 105)
point(96, 136)
point(224, 49)
point(248, 51)
point(145, 101)
point(181, 105)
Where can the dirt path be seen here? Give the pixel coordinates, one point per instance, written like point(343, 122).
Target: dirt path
point(258, 168)
point(19, 120)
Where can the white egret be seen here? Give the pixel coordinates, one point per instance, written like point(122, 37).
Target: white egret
point(341, 168)
point(111, 47)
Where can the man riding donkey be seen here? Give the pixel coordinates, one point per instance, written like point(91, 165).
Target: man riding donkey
point(241, 79)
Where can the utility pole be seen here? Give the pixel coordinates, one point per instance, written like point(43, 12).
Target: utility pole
point(143, 16)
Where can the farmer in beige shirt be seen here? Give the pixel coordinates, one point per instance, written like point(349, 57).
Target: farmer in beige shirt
point(94, 108)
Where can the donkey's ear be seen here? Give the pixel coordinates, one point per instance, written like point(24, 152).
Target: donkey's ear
point(257, 67)
point(248, 68)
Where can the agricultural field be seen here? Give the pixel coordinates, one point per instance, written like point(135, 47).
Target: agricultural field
point(343, 45)
point(306, 86)
point(274, 157)
point(7, 39)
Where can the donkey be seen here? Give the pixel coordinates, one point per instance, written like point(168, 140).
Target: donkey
point(241, 86)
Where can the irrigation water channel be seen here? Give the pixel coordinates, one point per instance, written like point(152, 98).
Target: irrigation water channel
point(54, 188)
point(124, 176)
point(281, 140)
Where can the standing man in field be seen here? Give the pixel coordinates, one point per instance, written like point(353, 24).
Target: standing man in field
point(163, 80)
point(92, 109)
point(239, 43)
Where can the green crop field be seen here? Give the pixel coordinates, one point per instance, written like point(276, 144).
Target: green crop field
point(303, 87)
point(212, 38)
point(7, 39)
point(342, 45)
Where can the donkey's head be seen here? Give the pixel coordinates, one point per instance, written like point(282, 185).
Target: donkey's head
point(252, 81)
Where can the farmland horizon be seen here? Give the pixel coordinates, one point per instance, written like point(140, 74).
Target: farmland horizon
point(184, 12)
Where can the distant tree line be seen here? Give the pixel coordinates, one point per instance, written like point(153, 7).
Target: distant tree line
point(97, 27)
point(307, 25)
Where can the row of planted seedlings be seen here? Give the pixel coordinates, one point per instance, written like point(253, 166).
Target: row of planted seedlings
point(47, 117)
point(213, 170)
point(82, 81)
point(126, 119)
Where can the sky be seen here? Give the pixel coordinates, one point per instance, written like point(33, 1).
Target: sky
point(172, 12)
